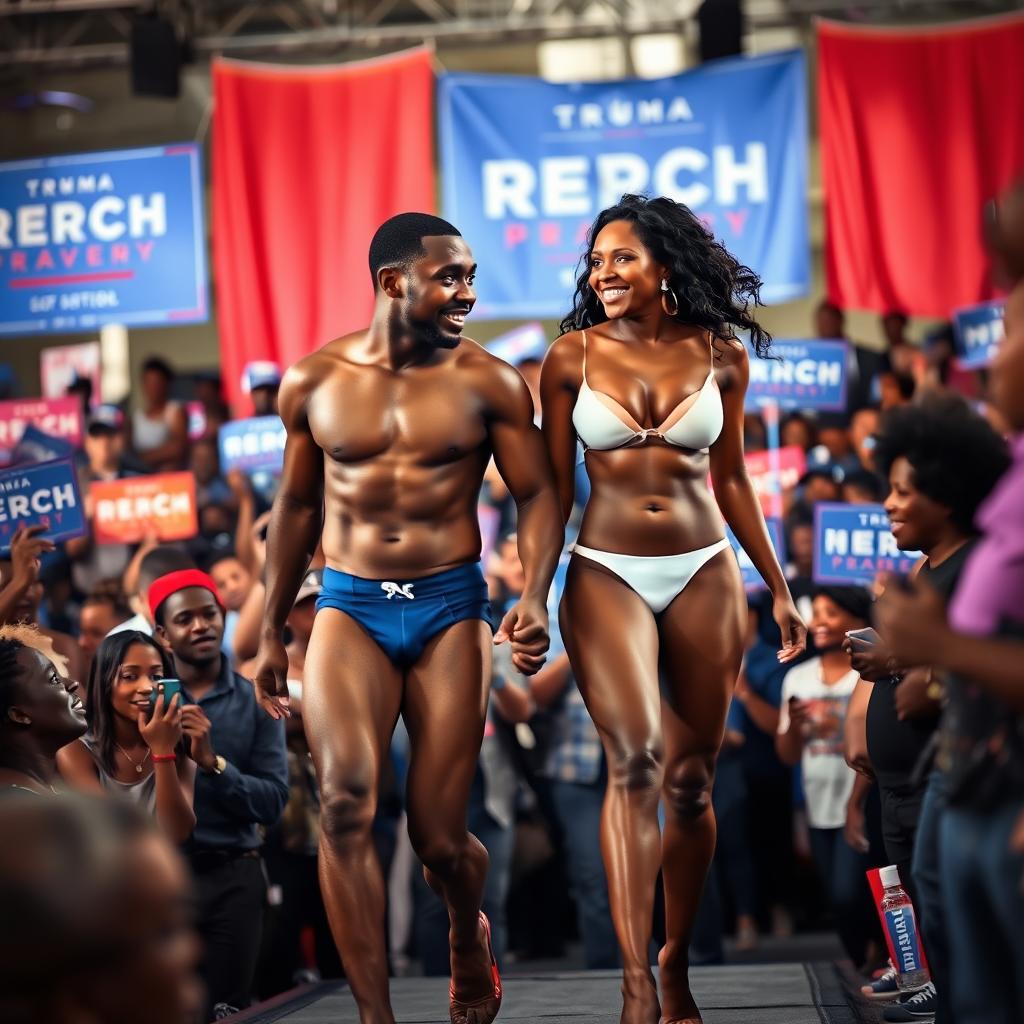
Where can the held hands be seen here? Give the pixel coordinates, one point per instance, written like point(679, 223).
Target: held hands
point(270, 678)
point(913, 619)
point(161, 730)
point(26, 548)
point(196, 726)
point(526, 625)
point(794, 632)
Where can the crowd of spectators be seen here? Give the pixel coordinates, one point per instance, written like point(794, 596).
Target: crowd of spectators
point(828, 766)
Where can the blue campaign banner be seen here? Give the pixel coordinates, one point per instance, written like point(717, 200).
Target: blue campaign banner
point(751, 577)
point(528, 164)
point(853, 544)
point(521, 343)
point(978, 331)
point(253, 445)
point(37, 446)
point(809, 374)
point(95, 238)
point(45, 494)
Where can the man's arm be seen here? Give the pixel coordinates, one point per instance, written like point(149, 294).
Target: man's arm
point(522, 460)
point(914, 624)
point(260, 793)
point(295, 525)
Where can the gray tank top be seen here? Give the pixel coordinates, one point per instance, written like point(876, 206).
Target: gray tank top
point(142, 792)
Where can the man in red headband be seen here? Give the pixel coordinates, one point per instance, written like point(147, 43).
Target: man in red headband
point(242, 783)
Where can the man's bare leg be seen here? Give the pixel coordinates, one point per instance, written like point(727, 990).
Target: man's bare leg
point(351, 696)
point(444, 709)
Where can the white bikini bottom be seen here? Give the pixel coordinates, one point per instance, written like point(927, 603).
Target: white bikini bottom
point(658, 579)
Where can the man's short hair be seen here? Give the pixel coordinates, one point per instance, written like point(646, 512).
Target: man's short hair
point(399, 241)
point(154, 364)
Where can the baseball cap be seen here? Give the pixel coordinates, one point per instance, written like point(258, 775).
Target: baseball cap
point(260, 374)
point(311, 585)
point(105, 418)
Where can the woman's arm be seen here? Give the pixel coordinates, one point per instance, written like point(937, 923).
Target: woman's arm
point(739, 502)
point(855, 733)
point(77, 768)
point(559, 384)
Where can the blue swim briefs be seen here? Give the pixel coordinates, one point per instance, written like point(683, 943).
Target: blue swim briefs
point(402, 616)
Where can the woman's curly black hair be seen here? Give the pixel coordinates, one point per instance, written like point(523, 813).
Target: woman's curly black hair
point(713, 288)
point(956, 456)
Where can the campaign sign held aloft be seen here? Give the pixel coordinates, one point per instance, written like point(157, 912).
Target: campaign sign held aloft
point(751, 577)
point(58, 417)
point(853, 544)
point(35, 446)
point(809, 374)
point(95, 238)
point(521, 343)
point(125, 511)
point(252, 445)
point(46, 495)
point(978, 331)
point(527, 165)
point(771, 477)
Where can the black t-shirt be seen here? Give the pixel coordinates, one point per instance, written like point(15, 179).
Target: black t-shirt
point(895, 747)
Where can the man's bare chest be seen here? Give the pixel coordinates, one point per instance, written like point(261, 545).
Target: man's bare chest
point(428, 420)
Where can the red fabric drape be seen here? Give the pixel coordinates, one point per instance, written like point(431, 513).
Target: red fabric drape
point(918, 129)
point(307, 163)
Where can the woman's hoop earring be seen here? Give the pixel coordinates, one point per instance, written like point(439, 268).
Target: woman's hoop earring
point(666, 292)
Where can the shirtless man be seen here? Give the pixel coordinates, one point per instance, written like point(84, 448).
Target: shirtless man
point(389, 433)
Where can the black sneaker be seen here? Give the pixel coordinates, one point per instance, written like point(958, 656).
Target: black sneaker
point(920, 1007)
point(883, 987)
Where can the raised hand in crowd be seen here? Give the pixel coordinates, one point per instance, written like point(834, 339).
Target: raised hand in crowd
point(27, 547)
point(162, 729)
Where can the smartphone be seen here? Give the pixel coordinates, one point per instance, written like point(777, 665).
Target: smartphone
point(171, 687)
point(865, 637)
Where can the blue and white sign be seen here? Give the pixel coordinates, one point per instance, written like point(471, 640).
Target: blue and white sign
point(751, 577)
point(37, 446)
point(853, 544)
point(810, 374)
point(45, 494)
point(527, 165)
point(521, 343)
point(978, 331)
point(253, 445)
point(114, 237)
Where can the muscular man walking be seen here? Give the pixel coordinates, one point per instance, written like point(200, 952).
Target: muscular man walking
point(389, 433)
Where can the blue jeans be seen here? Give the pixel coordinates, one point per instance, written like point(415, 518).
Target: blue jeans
point(578, 806)
point(842, 870)
point(929, 905)
point(981, 886)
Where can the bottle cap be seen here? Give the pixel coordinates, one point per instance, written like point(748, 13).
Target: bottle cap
point(889, 876)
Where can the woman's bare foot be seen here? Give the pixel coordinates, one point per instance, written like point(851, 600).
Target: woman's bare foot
point(677, 999)
point(474, 995)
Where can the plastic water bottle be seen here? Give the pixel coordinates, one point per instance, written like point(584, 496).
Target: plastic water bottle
point(898, 914)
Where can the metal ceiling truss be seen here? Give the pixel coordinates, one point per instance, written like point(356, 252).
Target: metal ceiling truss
point(49, 34)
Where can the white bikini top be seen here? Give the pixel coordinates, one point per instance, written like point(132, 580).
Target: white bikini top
point(603, 424)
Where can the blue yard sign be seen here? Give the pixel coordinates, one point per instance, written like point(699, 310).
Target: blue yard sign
point(978, 331)
point(808, 374)
point(751, 577)
point(253, 445)
point(853, 544)
point(528, 164)
point(97, 238)
point(43, 494)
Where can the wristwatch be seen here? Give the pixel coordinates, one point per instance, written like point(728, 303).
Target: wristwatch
point(219, 764)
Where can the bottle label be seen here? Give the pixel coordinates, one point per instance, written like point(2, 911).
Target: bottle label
point(903, 938)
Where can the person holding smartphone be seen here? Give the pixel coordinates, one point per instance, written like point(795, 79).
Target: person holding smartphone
point(941, 460)
point(134, 747)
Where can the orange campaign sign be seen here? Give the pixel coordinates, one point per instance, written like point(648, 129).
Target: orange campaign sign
point(125, 511)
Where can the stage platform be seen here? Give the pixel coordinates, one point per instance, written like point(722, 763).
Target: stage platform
point(785, 993)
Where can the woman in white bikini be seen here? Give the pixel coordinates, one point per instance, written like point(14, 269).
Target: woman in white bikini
point(650, 378)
